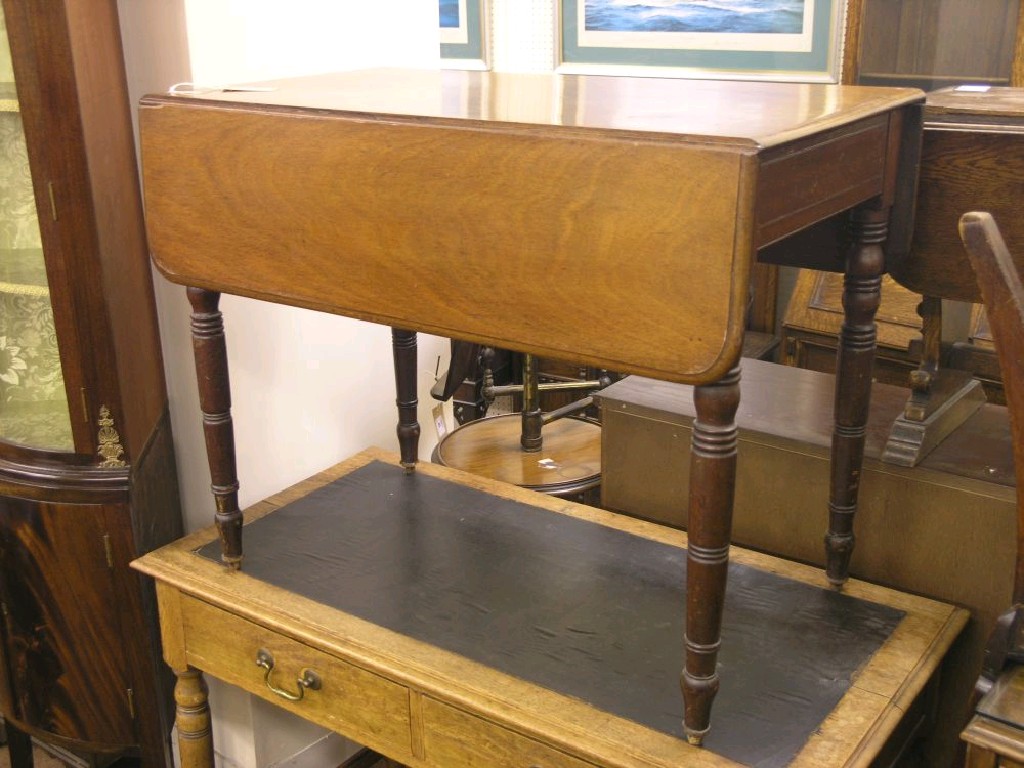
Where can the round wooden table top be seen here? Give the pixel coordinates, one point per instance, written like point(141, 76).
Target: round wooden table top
point(568, 461)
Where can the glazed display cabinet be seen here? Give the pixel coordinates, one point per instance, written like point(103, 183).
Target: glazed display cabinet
point(87, 479)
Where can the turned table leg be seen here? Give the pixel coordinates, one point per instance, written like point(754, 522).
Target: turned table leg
point(403, 344)
point(712, 487)
point(922, 378)
point(192, 716)
point(215, 401)
point(862, 292)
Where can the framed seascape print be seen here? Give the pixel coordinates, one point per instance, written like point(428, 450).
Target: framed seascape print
point(795, 40)
point(463, 26)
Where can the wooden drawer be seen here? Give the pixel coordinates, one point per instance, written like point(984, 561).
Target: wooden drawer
point(453, 738)
point(358, 704)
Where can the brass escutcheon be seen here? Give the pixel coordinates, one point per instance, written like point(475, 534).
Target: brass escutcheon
point(308, 679)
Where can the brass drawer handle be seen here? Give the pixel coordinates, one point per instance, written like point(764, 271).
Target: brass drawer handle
point(308, 679)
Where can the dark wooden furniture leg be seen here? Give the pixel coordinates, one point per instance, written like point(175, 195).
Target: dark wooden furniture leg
point(862, 294)
point(215, 402)
point(19, 747)
point(195, 737)
point(712, 488)
point(921, 380)
point(403, 344)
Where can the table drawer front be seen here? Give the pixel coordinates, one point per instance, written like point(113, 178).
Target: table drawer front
point(358, 704)
point(453, 738)
point(801, 184)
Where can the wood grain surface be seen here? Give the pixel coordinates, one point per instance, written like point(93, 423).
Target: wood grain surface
point(362, 194)
point(754, 114)
point(571, 452)
point(378, 231)
point(962, 171)
point(971, 160)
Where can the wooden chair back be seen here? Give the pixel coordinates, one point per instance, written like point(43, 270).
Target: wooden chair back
point(1000, 286)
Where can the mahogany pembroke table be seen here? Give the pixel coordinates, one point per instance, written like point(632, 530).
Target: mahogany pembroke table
point(447, 620)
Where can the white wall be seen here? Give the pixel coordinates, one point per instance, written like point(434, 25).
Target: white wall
point(523, 35)
point(307, 389)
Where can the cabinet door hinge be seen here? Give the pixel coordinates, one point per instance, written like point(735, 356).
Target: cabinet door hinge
point(109, 550)
point(131, 702)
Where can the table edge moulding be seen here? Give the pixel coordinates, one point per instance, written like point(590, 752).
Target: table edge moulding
point(355, 193)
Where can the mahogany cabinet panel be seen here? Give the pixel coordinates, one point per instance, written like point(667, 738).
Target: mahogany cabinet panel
point(60, 619)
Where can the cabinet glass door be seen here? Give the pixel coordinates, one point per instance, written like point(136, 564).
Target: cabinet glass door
point(33, 401)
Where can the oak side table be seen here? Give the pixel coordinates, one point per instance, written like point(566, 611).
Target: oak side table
point(445, 620)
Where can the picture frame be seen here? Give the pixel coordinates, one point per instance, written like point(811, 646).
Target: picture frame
point(463, 31)
point(784, 40)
